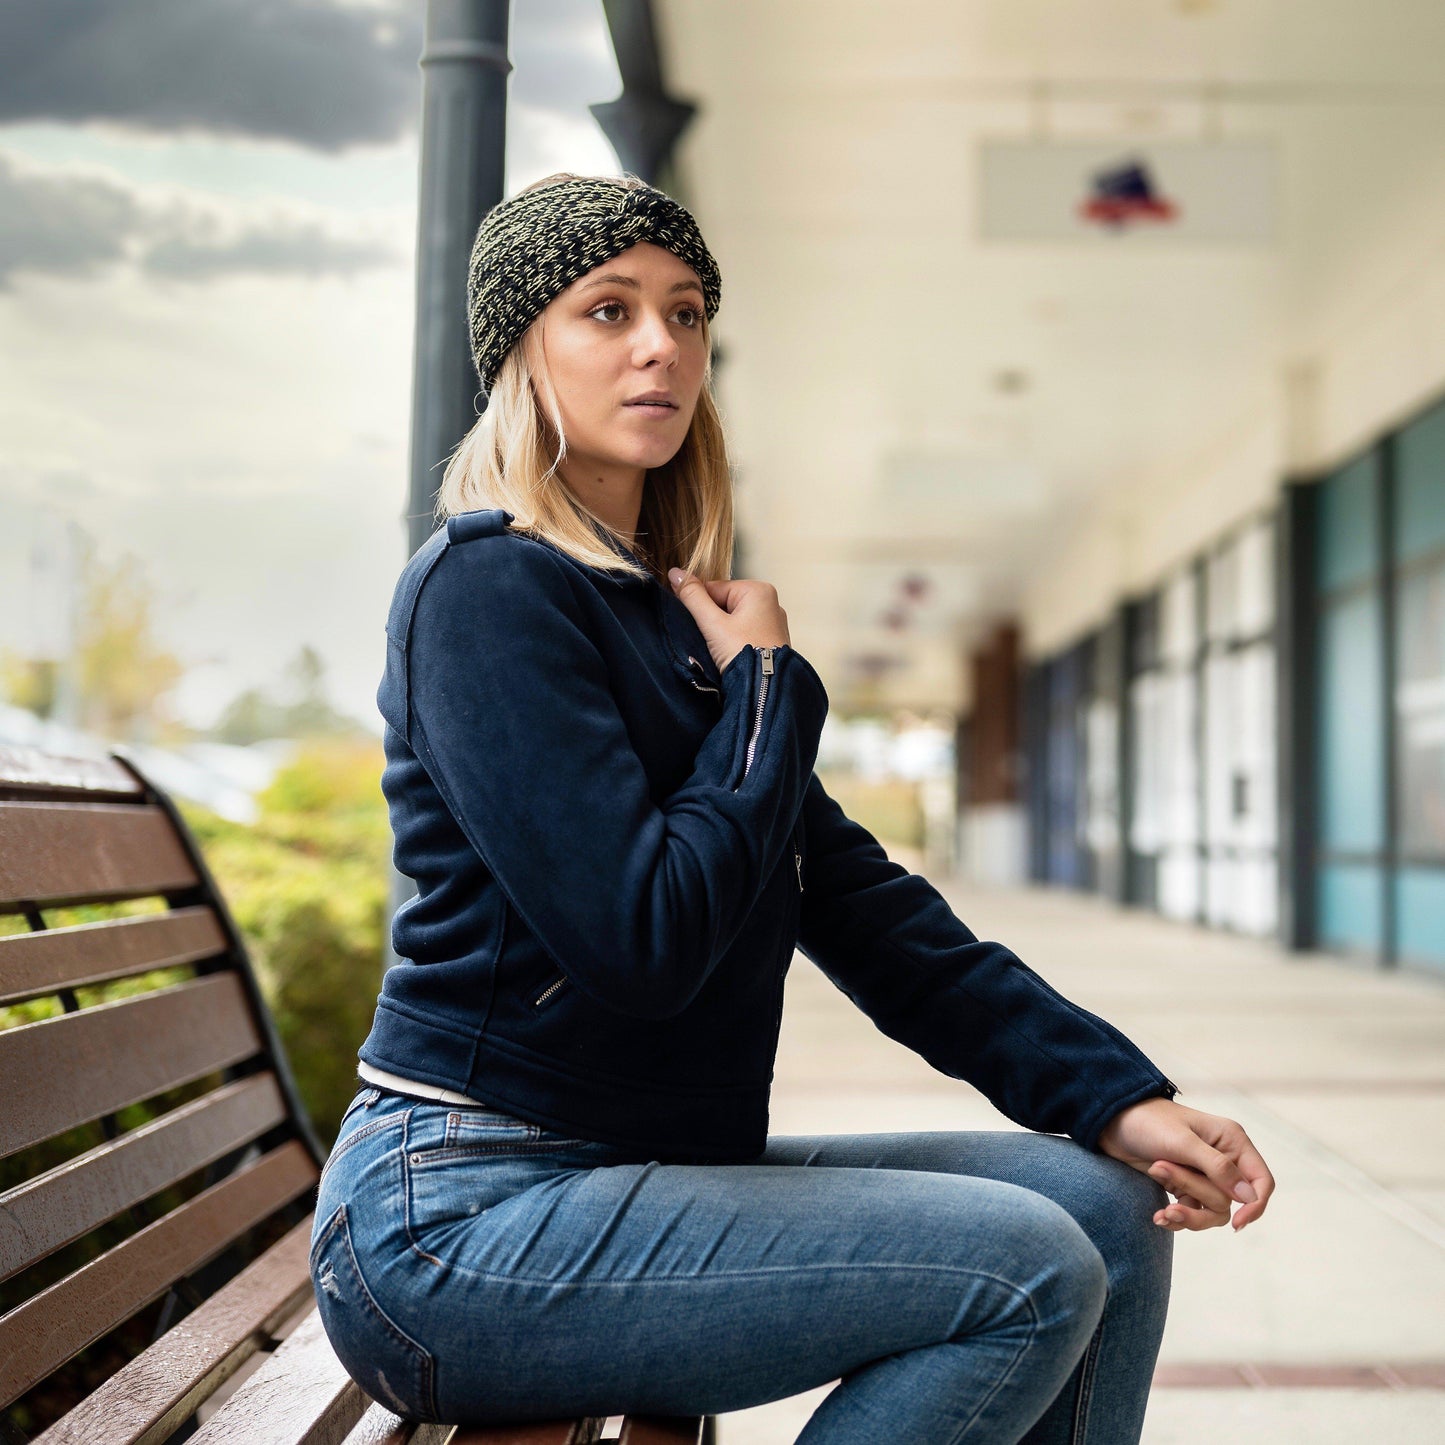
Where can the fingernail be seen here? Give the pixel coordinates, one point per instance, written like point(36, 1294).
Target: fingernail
point(1244, 1192)
point(675, 576)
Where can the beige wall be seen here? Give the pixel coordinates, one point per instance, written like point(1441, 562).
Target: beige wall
point(1372, 374)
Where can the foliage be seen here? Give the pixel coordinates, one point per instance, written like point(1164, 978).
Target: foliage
point(122, 675)
point(29, 682)
point(309, 887)
point(890, 809)
point(254, 714)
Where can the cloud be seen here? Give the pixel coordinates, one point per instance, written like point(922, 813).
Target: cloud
point(62, 223)
point(196, 250)
point(314, 72)
point(73, 222)
point(561, 56)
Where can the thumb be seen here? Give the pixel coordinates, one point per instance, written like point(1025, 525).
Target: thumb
point(688, 588)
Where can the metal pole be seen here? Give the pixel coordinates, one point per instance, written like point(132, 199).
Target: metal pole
point(463, 170)
point(644, 122)
point(462, 174)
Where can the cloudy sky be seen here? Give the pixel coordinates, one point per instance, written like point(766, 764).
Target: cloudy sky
point(207, 233)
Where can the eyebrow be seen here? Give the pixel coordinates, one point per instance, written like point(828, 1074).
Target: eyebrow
point(619, 279)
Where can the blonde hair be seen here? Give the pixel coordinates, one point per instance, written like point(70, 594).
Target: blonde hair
point(509, 459)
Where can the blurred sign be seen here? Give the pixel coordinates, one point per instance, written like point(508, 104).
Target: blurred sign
point(1075, 190)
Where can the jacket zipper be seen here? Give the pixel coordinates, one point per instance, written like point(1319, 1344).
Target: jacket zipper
point(766, 653)
point(700, 686)
point(797, 860)
point(549, 991)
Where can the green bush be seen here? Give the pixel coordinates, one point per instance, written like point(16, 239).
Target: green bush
point(308, 885)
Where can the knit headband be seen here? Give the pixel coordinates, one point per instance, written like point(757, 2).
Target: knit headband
point(530, 247)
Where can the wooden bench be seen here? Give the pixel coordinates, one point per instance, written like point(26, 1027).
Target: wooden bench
point(145, 1260)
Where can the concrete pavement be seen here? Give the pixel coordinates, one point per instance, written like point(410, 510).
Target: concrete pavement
point(1322, 1322)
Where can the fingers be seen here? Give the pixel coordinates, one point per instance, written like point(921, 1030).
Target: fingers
point(1256, 1171)
point(690, 587)
point(1188, 1213)
point(1180, 1180)
point(1220, 1172)
point(1199, 1201)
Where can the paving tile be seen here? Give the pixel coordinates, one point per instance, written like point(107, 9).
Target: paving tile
point(1395, 1134)
point(1286, 1417)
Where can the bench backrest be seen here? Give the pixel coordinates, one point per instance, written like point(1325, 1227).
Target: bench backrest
point(154, 1156)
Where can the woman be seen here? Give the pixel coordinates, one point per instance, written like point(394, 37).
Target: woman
point(555, 1193)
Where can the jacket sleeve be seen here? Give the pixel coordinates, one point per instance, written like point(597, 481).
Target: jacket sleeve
point(511, 711)
point(888, 939)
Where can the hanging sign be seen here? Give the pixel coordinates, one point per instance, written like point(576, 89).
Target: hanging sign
point(1222, 190)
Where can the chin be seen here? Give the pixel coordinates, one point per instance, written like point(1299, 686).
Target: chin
point(653, 456)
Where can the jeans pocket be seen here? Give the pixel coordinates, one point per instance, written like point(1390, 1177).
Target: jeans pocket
point(378, 1354)
point(457, 1164)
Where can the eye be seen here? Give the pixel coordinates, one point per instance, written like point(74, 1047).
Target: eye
point(689, 310)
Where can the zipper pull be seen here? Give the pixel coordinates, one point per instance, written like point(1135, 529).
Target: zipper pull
point(798, 863)
point(704, 685)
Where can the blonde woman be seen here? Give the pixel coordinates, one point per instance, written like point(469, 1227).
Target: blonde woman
point(555, 1192)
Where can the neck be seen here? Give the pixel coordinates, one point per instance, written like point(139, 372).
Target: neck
point(613, 495)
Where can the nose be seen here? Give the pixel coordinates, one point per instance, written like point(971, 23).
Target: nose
point(653, 340)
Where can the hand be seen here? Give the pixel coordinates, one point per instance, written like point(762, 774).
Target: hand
point(1205, 1161)
point(732, 615)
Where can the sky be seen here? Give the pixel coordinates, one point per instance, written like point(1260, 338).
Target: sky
point(207, 239)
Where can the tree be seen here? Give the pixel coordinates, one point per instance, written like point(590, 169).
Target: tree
point(252, 715)
point(122, 675)
point(118, 675)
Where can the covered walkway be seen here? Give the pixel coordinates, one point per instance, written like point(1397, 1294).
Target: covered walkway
point(1324, 1321)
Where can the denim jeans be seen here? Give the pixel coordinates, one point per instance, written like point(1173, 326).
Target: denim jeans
point(961, 1286)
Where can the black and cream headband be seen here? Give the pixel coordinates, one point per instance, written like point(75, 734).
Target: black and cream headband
point(530, 247)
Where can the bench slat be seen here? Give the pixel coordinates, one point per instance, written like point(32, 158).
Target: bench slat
point(661, 1430)
point(38, 963)
point(379, 1426)
point(541, 1432)
point(302, 1395)
point(69, 1070)
point(39, 1335)
point(145, 1400)
point(56, 853)
point(52, 1209)
point(25, 767)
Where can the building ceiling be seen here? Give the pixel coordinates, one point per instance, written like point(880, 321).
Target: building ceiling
point(922, 417)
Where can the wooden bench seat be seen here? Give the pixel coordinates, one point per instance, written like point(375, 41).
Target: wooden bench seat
point(122, 1316)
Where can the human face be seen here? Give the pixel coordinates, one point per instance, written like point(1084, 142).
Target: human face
point(631, 325)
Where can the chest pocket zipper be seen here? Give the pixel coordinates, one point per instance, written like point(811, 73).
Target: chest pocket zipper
point(697, 667)
point(549, 992)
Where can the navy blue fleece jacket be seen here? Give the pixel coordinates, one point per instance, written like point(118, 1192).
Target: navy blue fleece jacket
point(617, 850)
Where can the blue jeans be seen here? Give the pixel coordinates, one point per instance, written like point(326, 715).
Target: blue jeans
point(961, 1286)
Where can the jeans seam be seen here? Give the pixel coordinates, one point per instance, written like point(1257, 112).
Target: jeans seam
point(634, 1281)
point(1086, 1383)
point(1013, 1364)
point(340, 1223)
point(406, 1195)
